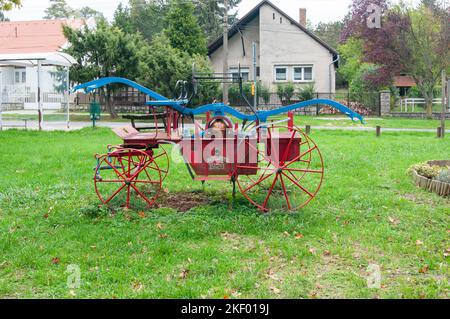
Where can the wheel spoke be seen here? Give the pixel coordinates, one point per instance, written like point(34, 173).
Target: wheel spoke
point(299, 186)
point(285, 192)
point(257, 183)
point(141, 195)
point(115, 193)
point(270, 191)
point(304, 170)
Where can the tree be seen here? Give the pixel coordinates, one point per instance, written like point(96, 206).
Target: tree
point(410, 40)
point(122, 19)
point(59, 9)
point(164, 65)
point(210, 15)
point(6, 5)
point(104, 52)
point(330, 32)
point(182, 28)
point(148, 16)
point(87, 12)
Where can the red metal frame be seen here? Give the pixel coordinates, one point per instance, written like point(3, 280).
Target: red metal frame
point(281, 171)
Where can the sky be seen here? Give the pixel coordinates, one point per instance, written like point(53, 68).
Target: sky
point(317, 10)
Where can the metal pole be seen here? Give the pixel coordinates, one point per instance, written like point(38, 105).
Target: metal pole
point(68, 98)
point(225, 53)
point(444, 103)
point(255, 81)
point(40, 115)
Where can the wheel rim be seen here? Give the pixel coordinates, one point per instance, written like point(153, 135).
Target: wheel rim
point(282, 182)
point(162, 160)
point(127, 178)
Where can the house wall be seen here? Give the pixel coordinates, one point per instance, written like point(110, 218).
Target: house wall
point(25, 93)
point(235, 52)
point(279, 44)
point(285, 44)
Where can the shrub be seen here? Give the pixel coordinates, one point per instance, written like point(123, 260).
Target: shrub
point(307, 93)
point(289, 90)
point(264, 93)
point(280, 91)
point(444, 176)
point(424, 170)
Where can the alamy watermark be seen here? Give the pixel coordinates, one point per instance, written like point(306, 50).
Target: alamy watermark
point(374, 18)
point(74, 277)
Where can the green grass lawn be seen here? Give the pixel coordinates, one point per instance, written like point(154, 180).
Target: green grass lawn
point(368, 212)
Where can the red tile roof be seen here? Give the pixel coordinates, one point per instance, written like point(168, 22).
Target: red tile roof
point(404, 81)
point(34, 36)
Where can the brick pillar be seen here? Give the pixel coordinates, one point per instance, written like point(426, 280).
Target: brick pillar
point(385, 102)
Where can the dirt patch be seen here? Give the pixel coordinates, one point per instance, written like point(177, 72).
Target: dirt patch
point(182, 201)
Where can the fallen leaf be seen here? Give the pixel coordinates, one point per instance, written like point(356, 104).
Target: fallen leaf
point(137, 286)
point(159, 226)
point(275, 290)
point(55, 260)
point(141, 214)
point(184, 273)
point(447, 252)
point(393, 221)
point(163, 235)
point(298, 236)
point(419, 242)
point(45, 215)
point(226, 297)
point(326, 253)
point(312, 250)
point(424, 269)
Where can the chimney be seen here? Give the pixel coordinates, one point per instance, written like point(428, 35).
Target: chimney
point(303, 17)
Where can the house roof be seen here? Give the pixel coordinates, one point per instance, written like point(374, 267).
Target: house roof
point(404, 81)
point(40, 36)
point(254, 13)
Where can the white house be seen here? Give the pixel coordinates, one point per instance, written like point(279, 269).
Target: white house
point(286, 50)
point(23, 46)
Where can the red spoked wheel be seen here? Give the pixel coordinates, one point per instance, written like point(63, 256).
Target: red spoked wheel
point(127, 178)
point(290, 170)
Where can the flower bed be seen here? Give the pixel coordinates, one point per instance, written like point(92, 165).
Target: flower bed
point(433, 176)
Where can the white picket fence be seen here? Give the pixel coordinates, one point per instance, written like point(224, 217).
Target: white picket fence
point(411, 103)
point(25, 97)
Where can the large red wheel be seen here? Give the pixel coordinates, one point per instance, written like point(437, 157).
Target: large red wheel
point(127, 178)
point(288, 176)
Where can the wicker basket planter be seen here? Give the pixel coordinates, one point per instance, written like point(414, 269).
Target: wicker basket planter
point(438, 187)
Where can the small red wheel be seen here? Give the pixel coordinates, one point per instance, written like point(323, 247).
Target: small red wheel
point(127, 177)
point(289, 175)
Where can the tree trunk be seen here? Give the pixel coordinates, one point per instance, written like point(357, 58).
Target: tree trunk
point(429, 104)
point(110, 104)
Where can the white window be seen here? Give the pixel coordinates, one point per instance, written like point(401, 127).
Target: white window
point(20, 76)
point(303, 73)
point(245, 73)
point(281, 73)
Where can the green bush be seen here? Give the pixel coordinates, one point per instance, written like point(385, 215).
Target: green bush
point(444, 176)
point(424, 170)
point(289, 90)
point(280, 91)
point(307, 93)
point(264, 93)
